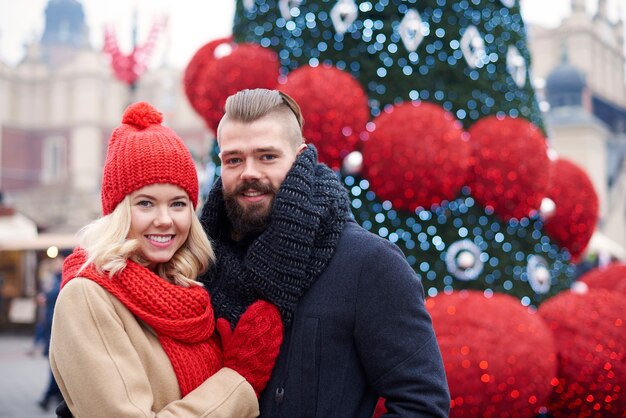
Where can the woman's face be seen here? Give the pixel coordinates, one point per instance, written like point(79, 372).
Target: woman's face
point(160, 219)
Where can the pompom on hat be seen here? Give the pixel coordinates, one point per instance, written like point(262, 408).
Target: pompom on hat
point(144, 152)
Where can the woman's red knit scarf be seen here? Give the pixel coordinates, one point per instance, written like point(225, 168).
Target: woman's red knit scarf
point(182, 317)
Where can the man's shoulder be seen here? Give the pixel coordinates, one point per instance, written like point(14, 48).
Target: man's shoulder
point(358, 238)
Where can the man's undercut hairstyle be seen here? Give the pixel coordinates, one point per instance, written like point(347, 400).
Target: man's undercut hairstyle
point(250, 105)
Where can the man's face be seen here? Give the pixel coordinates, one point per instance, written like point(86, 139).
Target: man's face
point(255, 160)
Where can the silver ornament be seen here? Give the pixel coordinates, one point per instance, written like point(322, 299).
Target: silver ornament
point(516, 66)
point(539, 276)
point(353, 163)
point(343, 14)
point(463, 260)
point(411, 28)
point(547, 208)
point(473, 47)
point(248, 5)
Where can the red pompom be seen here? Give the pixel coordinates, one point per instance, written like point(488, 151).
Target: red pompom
point(142, 115)
point(576, 201)
point(611, 277)
point(334, 107)
point(222, 68)
point(499, 357)
point(590, 335)
point(417, 155)
point(511, 170)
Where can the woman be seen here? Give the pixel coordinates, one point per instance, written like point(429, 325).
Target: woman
point(133, 332)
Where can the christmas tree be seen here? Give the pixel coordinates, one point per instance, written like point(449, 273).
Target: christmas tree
point(470, 58)
point(426, 111)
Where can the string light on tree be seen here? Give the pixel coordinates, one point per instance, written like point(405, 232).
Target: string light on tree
point(289, 8)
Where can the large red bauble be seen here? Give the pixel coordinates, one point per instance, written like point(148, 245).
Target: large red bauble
point(499, 357)
point(334, 107)
point(576, 201)
point(416, 155)
point(511, 170)
point(611, 277)
point(590, 334)
point(195, 90)
point(222, 68)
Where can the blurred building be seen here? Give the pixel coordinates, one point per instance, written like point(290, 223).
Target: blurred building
point(580, 73)
point(58, 107)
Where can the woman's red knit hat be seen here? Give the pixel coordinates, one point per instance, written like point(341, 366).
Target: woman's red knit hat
point(143, 152)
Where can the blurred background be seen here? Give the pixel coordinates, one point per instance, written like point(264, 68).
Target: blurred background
point(542, 84)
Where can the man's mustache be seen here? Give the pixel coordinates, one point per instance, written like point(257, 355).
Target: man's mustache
point(254, 185)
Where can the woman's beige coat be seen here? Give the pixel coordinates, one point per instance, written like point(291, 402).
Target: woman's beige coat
point(109, 364)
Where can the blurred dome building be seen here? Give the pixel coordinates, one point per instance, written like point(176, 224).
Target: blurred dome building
point(565, 86)
point(580, 74)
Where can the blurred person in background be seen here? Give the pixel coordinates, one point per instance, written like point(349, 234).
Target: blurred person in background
point(49, 299)
point(49, 269)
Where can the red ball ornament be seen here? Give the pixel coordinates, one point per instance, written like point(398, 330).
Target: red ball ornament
point(192, 80)
point(222, 68)
point(511, 170)
point(590, 335)
point(334, 107)
point(499, 357)
point(611, 277)
point(576, 213)
point(417, 155)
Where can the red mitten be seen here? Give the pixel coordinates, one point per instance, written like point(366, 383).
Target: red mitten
point(252, 348)
point(222, 326)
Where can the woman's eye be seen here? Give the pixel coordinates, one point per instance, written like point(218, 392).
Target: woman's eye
point(144, 203)
point(179, 204)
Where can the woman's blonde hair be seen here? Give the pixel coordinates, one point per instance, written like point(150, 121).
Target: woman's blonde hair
point(108, 248)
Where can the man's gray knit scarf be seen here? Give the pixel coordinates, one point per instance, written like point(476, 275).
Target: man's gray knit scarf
point(308, 216)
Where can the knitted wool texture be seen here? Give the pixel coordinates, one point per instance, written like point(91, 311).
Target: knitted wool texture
point(253, 347)
point(182, 317)
point(143, 152)
point(309, 212)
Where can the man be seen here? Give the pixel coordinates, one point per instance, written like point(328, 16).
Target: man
point(356, 328)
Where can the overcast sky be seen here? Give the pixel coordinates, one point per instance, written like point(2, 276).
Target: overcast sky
point(192, 23)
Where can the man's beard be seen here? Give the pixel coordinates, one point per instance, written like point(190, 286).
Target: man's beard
point(253, 218)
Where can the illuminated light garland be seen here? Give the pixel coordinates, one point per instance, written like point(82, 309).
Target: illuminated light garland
point(220, 69)
point(129, 67)
point(334, 107)
point(577, 206)
point(511, 170)
point(499, 356)
point(417, 155)
point(590, 335)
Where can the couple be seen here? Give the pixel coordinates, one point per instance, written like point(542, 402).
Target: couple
point(315, 316)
